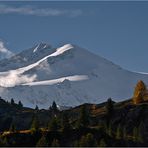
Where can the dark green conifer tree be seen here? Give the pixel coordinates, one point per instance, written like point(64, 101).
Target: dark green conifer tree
point(53, 124)
point(88, 141)
point(91, 141)
point(5, 142)
point(2, 143)
point(141, 129)
point(110, 132)
point(119, 133)
point(109, 106)
point(83, 120)
point(135, 134)
point(12, 128)
point(54, 106)
point(65, 123)
point(55, 143)
point(43, 142)
point(20, 104)
point(102, 143)
point(82, 142)
point(12, 101)
point(35, 124)
point(124, 132)
point(36, 108)
point(109, 111)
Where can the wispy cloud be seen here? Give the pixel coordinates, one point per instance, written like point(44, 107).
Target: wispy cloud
point(29, 10)
point(4, 52)
point(12, 78)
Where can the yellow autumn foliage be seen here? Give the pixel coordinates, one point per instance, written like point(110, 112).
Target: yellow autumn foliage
point(139, 92)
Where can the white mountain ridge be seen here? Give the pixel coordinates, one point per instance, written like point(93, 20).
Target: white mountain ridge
point(69, 75)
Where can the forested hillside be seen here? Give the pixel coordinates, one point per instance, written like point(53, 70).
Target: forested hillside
point(106, 124)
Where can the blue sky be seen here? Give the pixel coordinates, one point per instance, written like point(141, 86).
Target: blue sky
point(117, 30)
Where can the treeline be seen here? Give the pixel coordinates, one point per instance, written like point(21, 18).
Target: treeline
point(12, 102)
point(60, 131)
point(80, 127)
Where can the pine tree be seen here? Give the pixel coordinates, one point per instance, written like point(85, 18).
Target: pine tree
point(141, 128)
point(2, 143)
point(91, 141)
point(135, 134)
point(76, 143)
point(84, 117)
point(139, 91)
point(53, 125)
point(110, 130)
point(55, 143)
point(42, 142)
point(20, 104)
point(88, 141)
point(105, 127)
point(54, 106)
point(12, 101)
point(102, 143)
point(119, 134)
point(109, 106)
point(65, 123)
point(109, 111)
point(36, 108)
point(12, 128)
point(124, 132)
point(82, 142)
point(35, 124)
point(6, 142)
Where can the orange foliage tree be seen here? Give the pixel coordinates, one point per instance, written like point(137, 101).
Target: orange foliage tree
point(139, 91)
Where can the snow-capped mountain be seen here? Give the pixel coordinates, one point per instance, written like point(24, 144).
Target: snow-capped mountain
point(26, 57)
point(69, 75)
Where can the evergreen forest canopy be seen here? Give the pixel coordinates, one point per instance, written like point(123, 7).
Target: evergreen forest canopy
point(89, 125)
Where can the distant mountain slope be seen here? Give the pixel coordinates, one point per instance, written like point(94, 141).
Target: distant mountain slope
point(69, 75)
point(26, 57)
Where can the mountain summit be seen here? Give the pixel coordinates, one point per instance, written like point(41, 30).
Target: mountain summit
point(26, 57)
point(69, 75)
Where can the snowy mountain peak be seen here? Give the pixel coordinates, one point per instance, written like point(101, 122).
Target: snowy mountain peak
point(69, 75)
point(41, 46)
point(68, 45)
point(27, 57)
point(62, 49)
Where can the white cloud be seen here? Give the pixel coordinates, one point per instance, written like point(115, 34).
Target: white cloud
point(4, 52)
point(12, 78)
point(28, 10)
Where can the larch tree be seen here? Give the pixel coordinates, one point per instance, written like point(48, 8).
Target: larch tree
point(139, 91)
